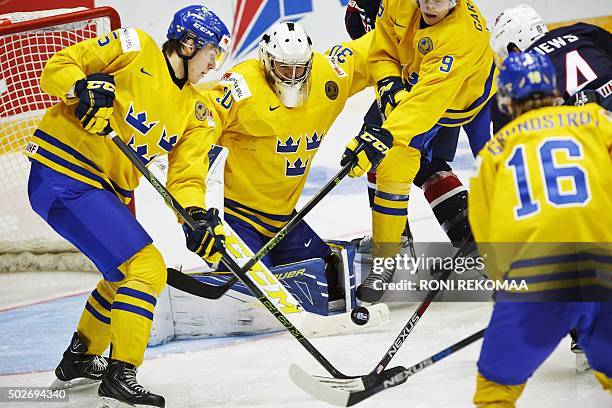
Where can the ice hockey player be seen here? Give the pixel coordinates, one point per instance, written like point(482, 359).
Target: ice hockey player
point(272, 114)
point(80, 182)
point(581, 54)
point(549, 165)
point(434, 69)
point(443, 190)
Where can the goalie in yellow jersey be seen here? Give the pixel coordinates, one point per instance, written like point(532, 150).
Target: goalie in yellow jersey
point(539, 207)
point(272, 114)
point(434, 69)
point(80, 181)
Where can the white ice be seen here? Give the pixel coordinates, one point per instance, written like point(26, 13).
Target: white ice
point(253, 372)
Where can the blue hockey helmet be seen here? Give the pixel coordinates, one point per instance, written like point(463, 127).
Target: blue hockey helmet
point(523, 75)
point(204, 27)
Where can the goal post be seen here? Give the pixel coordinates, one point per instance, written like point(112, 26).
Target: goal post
point(27, 41)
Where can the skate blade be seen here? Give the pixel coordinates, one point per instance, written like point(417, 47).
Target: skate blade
point(106, 402)
point(58, 384)
point(582, 365)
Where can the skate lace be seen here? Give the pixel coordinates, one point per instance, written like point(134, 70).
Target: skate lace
point(130, 380)
point(99, 364)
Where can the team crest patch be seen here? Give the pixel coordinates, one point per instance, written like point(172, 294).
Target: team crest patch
point(201, 113)
point(331, 90)
point(425, 45)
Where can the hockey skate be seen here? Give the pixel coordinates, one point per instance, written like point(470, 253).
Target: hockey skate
point(367, 292)
point(77, 368)
point(582, 365)
point(120, 386)
point(373, 289)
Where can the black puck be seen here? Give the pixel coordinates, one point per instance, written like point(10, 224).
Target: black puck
point(360, 315)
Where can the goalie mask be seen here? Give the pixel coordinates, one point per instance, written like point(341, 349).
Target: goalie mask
point(285, 53)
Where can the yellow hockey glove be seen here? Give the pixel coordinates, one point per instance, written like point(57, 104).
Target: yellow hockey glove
point(208, 238)
point(390, 92)
point(371, 146)
point(96, 95)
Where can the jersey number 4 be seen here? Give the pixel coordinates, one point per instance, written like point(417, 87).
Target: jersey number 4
point(553, 175)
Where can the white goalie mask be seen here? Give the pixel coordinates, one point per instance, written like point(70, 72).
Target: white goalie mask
point(285, 53)
point(520, 26)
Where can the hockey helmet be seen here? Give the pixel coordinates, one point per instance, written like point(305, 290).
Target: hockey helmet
point(519, 26)
point(524, 75)
point(285, 53)
point(202, 26)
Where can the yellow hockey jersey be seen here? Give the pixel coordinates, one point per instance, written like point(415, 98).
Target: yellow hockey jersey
point(539, 204)
point(151, 114)
point(448, 67)
point(271, 147)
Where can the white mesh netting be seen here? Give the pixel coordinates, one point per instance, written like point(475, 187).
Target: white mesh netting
point(23, 55)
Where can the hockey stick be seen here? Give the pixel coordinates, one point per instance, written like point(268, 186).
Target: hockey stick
point(190, 285)
point(227, 260)
point(365, 381)
point(343, 397)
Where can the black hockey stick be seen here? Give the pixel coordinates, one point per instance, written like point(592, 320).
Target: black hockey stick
point(368, 380)
point(226, 260)
point(342, 397)
point(193, 286)
point(189, 284)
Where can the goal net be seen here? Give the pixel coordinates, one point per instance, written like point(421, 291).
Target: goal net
point(27, 41)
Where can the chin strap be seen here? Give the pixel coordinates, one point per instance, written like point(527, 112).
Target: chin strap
point(181, 82)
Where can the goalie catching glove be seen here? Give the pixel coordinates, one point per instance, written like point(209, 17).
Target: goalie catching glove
point(391, 91)
point(96, 95)
point(208, 238)
point(371, 146)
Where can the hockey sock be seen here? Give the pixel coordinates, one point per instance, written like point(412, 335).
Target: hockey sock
point(447, 197)
point(494, 395)
point(134, 304)
point(94, 326)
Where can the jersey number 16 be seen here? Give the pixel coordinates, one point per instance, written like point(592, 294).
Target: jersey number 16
point(552, 175)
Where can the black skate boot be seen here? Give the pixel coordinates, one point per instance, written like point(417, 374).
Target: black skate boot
point(120, 386)
point(78, 368)
point(374, 286)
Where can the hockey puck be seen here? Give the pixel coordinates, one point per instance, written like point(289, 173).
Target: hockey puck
point(360, 315)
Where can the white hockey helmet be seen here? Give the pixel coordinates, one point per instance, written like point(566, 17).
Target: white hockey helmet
point(519, 26)
point(285, 53)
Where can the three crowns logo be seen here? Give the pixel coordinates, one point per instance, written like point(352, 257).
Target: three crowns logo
point(296, 168)
point(288, 146)
point(312, 143)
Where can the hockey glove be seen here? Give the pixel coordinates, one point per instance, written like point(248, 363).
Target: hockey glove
point(391, 91)
point(208, 237)
point(96, 95)
point(371, 145)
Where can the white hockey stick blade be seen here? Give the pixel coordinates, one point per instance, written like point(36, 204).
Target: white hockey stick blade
point(319, 326)
point(317, 389)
